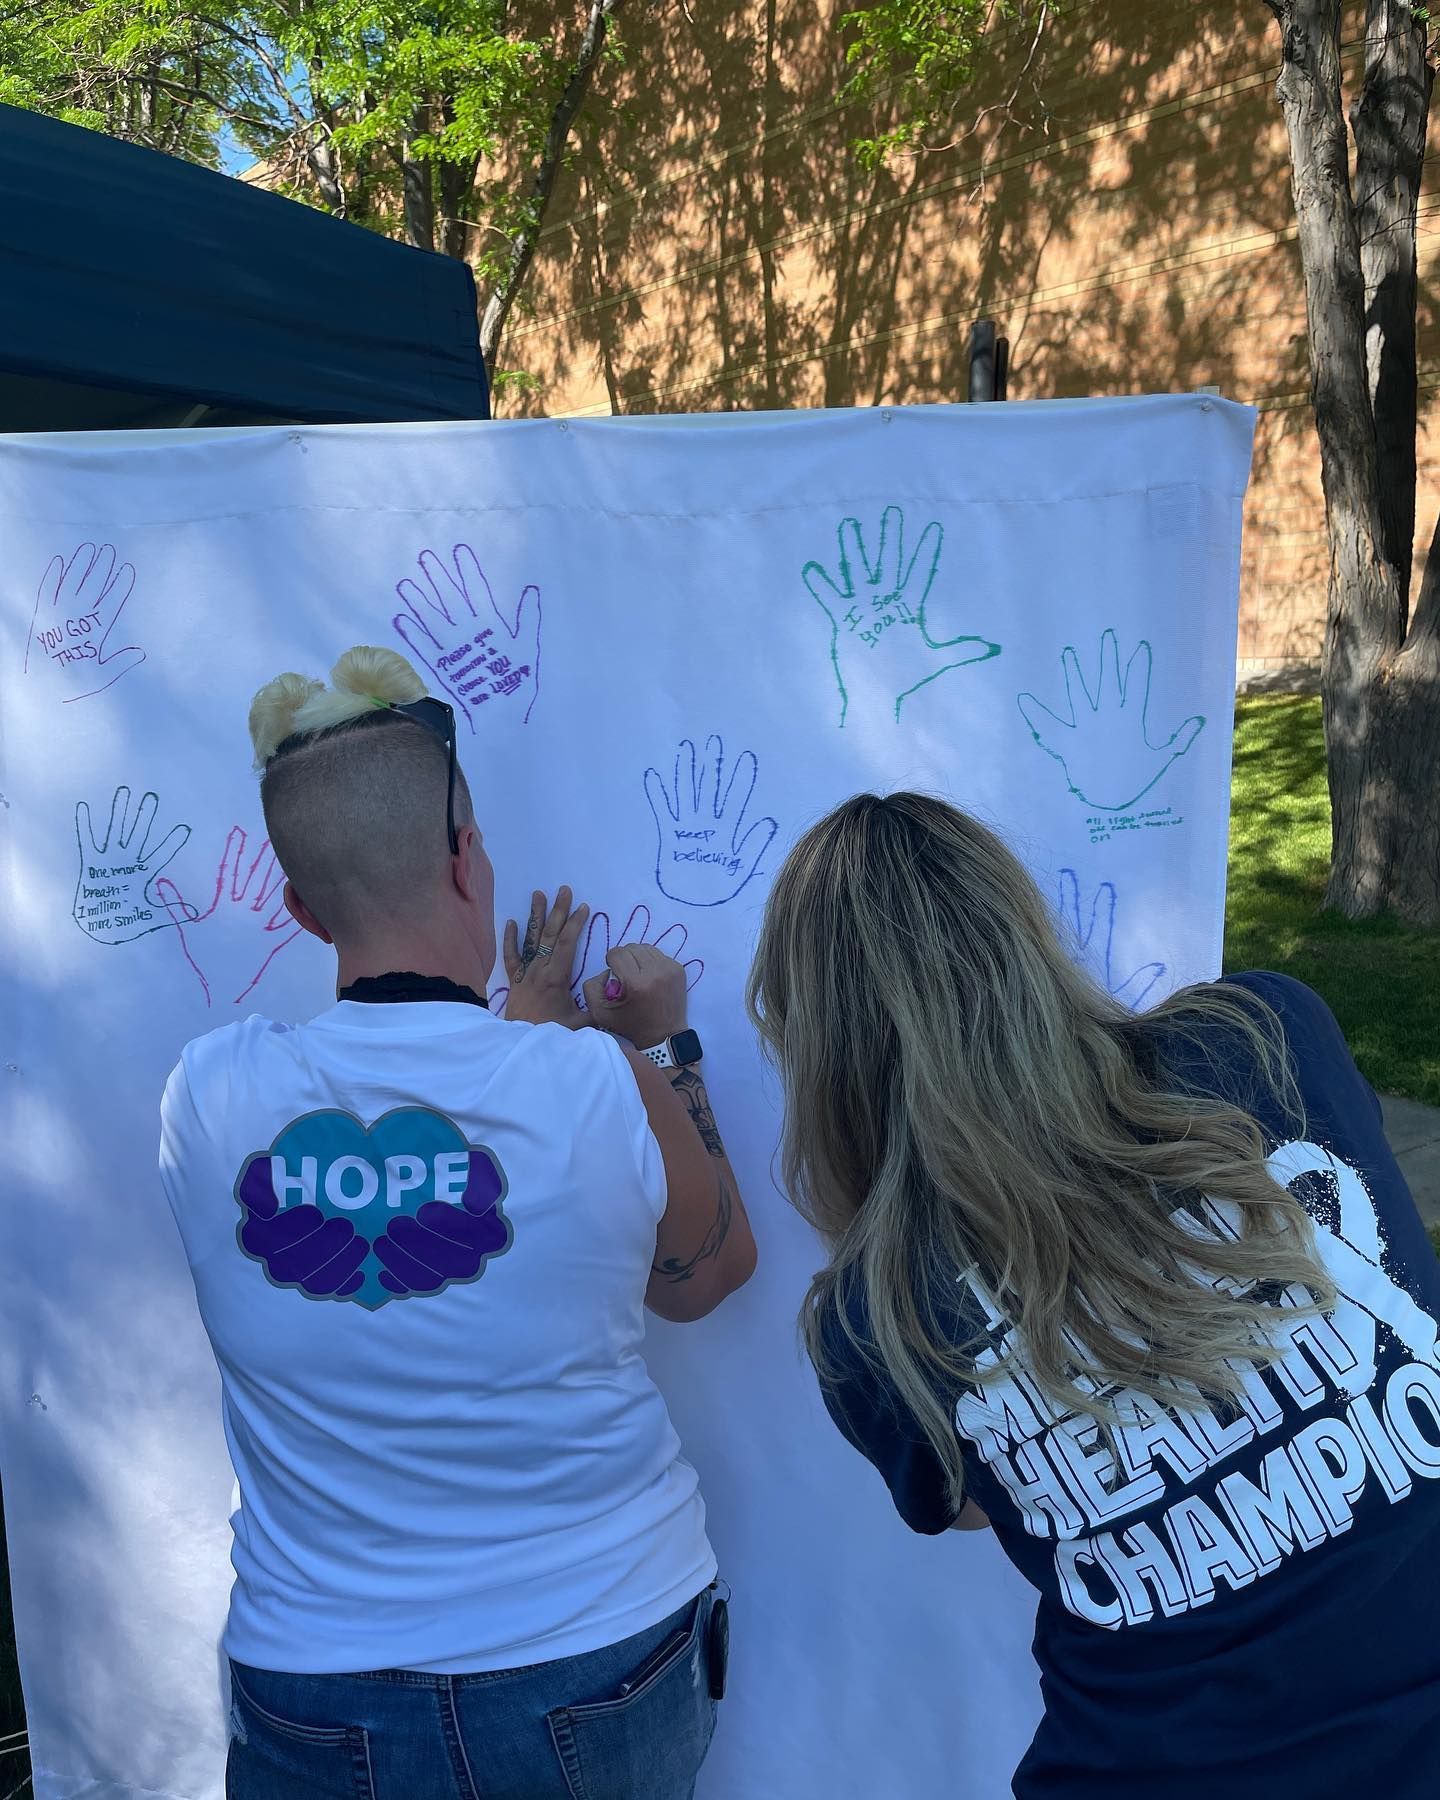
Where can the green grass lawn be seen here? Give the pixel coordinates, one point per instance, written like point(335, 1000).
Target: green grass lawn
point(1381, 979)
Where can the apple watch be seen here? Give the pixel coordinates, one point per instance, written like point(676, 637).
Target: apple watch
point(676, 1052)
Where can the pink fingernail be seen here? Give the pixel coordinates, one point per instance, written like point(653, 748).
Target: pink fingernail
point(614, 987)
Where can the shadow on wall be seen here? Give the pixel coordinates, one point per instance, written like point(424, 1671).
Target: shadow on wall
point(721, 245)
point(1120, 203)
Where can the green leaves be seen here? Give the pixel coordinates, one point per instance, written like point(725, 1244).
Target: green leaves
point(428, 118)
point(913, 58)
point(328, 93)
point(139, 71)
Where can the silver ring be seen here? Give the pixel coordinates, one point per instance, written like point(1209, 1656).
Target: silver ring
point(544, 949)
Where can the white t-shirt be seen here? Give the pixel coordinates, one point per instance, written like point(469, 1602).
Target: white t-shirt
point(420, 1238)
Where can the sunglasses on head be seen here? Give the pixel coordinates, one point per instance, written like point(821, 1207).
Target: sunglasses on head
point(438, 716)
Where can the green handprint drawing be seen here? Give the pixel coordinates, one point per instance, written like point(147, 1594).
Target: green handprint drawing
point(878, 605)
point(1104, 745)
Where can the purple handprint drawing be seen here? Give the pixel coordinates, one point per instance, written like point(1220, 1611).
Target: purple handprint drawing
point(637, 929)
point(599, 942)
point(235, 939)
point(77, 608)
point(477, 653)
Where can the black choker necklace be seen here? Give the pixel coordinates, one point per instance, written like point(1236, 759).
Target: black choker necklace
point(402, 984)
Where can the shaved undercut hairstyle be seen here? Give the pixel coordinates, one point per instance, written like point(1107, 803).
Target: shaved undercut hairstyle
point(354, 792)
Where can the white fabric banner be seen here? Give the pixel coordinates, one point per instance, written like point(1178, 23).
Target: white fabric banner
point(672, 644)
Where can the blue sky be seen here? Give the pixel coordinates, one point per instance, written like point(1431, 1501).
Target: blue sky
point(233, 156)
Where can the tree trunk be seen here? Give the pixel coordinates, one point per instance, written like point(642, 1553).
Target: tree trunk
point(1389, 121)
point(457, 187)
point(1365, 611)
point(418, 193)
point(324, 166)
point(542, 183)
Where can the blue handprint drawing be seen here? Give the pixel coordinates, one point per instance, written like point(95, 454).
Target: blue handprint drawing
point(450, 625)
point(1094, 941)
point(1103, 744)
point(883, 599)
point(705, 853)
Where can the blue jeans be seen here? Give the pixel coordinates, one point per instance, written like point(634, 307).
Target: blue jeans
point(581, 1729)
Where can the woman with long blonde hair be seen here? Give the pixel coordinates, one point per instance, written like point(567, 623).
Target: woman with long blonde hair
point(1147, 1294)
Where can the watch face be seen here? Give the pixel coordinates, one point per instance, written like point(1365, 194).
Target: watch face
point(685, 1047)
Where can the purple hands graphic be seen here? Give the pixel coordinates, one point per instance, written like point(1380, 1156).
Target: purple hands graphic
point(300, 1246)
point(477, 653)
point(77, 608)
point(445, 1243)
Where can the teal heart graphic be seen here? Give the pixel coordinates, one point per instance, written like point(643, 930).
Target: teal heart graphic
point(339, 1211)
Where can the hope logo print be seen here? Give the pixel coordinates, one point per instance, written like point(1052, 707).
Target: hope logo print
point(339, 1212)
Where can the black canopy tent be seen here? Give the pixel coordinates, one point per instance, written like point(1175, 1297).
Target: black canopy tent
point(137, 290)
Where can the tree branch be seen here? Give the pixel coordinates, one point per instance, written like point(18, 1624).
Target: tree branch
point(542, 185)
point(198, 96)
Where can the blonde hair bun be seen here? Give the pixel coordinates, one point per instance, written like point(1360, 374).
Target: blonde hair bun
point(364, 677)
point(274, 710)
point(378, 675)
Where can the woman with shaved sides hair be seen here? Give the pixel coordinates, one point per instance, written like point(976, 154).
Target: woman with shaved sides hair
point(470, 1561)
point(1148, 1295)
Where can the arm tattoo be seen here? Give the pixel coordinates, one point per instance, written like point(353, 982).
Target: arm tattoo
point(677, 1269)
point(691, 1088)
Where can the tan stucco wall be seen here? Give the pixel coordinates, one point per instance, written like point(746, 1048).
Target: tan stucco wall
point(717, 244)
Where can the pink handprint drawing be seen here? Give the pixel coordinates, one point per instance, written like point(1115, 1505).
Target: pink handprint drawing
point(239, 934)
point(599, 942)
point(77, 609)
point(477, 653)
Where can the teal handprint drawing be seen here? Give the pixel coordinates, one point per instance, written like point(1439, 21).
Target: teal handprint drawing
point(1102, 739)
point(876, 605)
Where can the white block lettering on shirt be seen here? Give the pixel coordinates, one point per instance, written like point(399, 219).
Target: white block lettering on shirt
point(452, 1175)
point(285, 1184)
point(335, 1183)
point(402, 1173)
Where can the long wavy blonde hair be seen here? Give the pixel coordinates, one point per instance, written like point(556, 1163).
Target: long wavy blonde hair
point(962, 1100)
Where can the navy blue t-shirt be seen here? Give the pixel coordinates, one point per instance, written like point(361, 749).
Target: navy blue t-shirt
point(1240, 1602)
